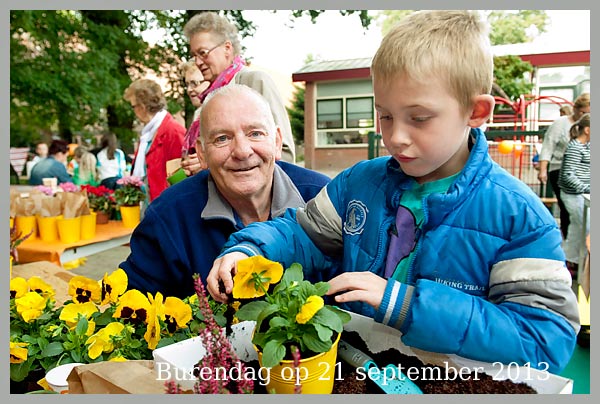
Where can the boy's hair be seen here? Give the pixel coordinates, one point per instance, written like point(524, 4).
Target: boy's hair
point(566, 110)
point(452, 45)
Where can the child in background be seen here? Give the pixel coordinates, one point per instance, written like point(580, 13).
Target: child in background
point(437, 240)
point(574, 181)
point(84, 172)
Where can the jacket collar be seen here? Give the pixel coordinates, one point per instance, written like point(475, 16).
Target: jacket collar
point(285, 195)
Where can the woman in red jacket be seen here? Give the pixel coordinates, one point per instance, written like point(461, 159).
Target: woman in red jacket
point(161, 138)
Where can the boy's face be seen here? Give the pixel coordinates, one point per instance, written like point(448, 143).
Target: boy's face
point(422, 127)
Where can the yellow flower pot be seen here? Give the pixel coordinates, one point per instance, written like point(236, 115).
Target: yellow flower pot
point(130, 216)
point(69, 230)
point(48, 228)
point(88, 226)
point(316, 374)
point(26, 224)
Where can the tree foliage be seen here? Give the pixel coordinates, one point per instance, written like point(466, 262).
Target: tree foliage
point(296, 114)
point(69, 68)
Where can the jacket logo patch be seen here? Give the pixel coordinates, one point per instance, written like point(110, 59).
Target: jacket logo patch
point(356, 217)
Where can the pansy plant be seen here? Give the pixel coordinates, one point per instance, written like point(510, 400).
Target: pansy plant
point(290, 313)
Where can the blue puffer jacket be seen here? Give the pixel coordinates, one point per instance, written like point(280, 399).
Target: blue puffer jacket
point(488, 279)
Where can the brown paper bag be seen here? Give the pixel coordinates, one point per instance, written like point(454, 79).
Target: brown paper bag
point(74, 204)
point(50, 207)
point(130, 377)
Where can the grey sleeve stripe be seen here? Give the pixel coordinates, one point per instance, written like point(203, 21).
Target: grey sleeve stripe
point(529, 269)
point(321, 222)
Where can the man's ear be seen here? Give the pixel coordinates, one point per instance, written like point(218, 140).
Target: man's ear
point(278, 143)
point(482, 110)
point(200, 153)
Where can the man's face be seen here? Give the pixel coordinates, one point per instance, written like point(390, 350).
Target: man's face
point(241, 145)
point(422, 127)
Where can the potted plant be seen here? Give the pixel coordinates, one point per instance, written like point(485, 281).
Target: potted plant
point(16, 238)
point(291, 318)
point(128, 197)
point(101, 200)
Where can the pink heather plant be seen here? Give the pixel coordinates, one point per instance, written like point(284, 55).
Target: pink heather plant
point(219, 354)
point(68, 187)
point(44, 189)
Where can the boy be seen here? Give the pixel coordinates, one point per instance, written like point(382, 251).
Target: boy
point(436, 240)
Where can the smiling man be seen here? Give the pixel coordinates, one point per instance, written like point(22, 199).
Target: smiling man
point(184, 229)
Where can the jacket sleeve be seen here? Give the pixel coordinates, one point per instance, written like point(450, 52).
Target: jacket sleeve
point(530, 315)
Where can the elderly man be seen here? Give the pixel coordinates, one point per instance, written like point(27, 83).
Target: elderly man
point(184, 229)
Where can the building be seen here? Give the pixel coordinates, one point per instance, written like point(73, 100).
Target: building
point(339, 109)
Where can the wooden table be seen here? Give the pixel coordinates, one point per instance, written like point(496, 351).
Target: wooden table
point(110, 235)
point(50, 273)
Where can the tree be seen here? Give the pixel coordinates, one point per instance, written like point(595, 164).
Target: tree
point(296, 114)
point(69, 68)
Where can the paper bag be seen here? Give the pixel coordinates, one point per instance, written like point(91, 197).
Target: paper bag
point(130, 377)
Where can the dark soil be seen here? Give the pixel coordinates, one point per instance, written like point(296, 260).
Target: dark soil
point(349, 382)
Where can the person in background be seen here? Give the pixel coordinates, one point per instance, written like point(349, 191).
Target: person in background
point(436, 240)
point(574, 181)
point(112, 163)
point(216, 48)
point(41, 152)
point(54, 166)
point(565, 110)
point(184, 229)
point(194, 86)
point(85, 170)
point(161, 139)
point(554, 145)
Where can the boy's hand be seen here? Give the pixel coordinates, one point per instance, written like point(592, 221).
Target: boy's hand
point(219, 281)
point(192, 164)
point(358, 286)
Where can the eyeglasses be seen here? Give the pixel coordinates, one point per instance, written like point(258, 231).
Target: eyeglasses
point(203, 53)
point(193, 83)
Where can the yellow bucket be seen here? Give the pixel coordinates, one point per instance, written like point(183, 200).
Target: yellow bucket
point(88, 226)
point(69, 230)
point(315, 374)
point(130, 216)
point(47, 228)
point(26, 224)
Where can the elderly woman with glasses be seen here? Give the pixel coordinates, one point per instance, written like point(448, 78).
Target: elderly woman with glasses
point(161, 139)
point(195, 85)
point(215, 48)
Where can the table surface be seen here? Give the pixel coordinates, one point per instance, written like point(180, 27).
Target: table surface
point(38, 250)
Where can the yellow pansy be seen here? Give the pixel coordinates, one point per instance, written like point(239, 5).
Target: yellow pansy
point(118, 358)
point(177, 314)
point(84, 290)
point(155, 314)
point(254, 275)
point(36, 284)
point(30, 306)
point(18, 287)
point(18, 352)
point(309, 309)
point(113, 286)
point(71, 312)
point(101, 341)
point(133, 307)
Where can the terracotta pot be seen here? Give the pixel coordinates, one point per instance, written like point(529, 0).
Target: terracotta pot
point(102, 217)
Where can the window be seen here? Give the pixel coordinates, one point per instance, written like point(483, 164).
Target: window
point(329, 114)
point(359, 112)
point(345, 121)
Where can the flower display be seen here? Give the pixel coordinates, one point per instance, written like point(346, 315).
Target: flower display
point(103, 321)
point(290, 313)
point(130, 192)
point(101, 198)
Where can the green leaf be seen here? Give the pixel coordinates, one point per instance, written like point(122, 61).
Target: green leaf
point(82, 326)
point(251, 311)
point(76, 356)
point(19, 371)
point(293, 274)
point(324, 333)
point(314, 343)
point(321, 288)
point(330, 318)
point(280, 322)
point(273, 353)
point(53, 349)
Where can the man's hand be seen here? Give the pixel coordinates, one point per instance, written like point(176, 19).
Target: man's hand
point(358, 286)
point(219, 281)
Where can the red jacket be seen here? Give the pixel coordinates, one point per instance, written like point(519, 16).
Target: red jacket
point(165, 146)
